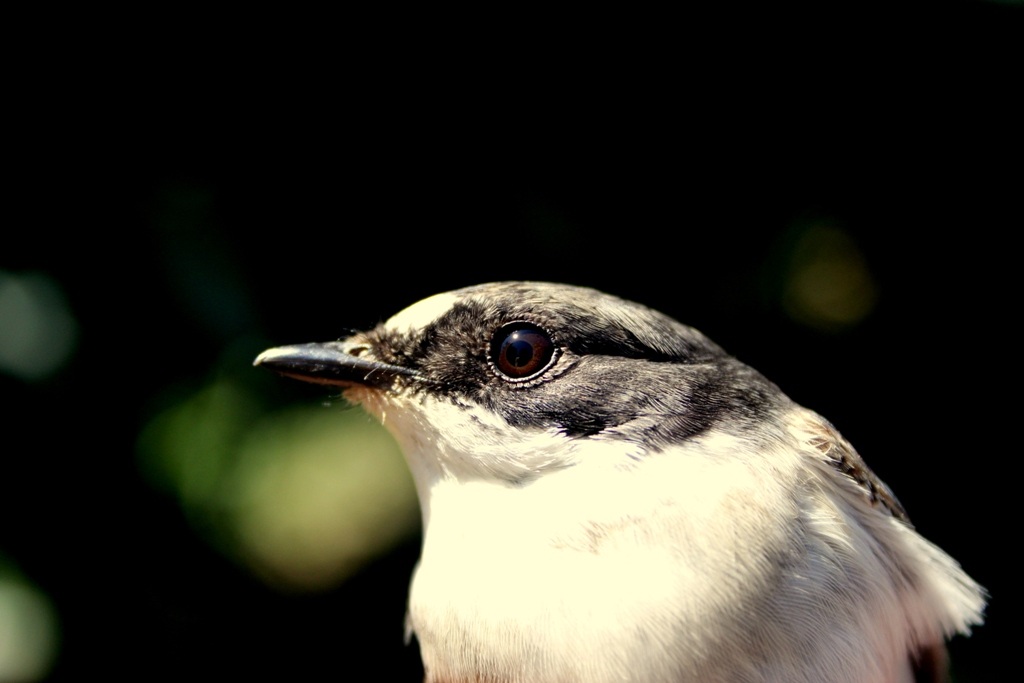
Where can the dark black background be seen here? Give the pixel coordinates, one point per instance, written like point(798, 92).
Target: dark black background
point(236, 184)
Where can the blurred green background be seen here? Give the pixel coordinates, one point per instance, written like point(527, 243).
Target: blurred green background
point(836, 204)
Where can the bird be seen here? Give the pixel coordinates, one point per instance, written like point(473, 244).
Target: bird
point(607, 495)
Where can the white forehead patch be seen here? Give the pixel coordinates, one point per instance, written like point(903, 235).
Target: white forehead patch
point(421, 313)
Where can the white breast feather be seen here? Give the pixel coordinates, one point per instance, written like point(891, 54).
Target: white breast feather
point(669, 567)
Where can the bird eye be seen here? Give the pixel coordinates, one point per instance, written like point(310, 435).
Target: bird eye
point(521, 351)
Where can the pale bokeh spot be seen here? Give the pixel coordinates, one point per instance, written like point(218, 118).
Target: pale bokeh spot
point(38, 333)
point(323, 493)
point(28, 632)
point(302, 497)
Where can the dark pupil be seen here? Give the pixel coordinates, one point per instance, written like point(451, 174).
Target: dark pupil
point(521, 350)
point(518, 352)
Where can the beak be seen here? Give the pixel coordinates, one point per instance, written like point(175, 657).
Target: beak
point(327, 363)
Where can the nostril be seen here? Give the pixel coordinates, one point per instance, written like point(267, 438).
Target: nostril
point(358, 350)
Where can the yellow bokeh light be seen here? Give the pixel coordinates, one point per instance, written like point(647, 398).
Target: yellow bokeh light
point(303, 497)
